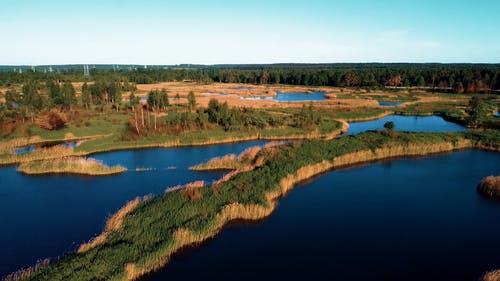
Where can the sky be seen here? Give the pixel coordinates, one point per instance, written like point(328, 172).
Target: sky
point(36, 32)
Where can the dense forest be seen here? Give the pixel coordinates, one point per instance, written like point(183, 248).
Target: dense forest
point(456, 78)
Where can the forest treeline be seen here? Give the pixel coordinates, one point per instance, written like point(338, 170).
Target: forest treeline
point(456, 78)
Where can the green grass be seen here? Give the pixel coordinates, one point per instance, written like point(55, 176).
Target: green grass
point(148, 231)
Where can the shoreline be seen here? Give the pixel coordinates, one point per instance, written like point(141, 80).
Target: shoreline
point(69, 166)
point(416, 145)
point(247, 213)
point(177, 143)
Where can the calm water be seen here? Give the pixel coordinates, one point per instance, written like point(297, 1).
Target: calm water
point(313, 96)
point(390, 103)
point(47, 216)
point(290, 97)
point(412, 219)
point(407, 123)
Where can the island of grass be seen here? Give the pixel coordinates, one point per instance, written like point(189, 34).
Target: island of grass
point(153, 229)
point(490, 187)
point(70, 165)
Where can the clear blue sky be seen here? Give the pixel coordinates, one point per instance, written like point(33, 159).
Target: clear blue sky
point(258, 31)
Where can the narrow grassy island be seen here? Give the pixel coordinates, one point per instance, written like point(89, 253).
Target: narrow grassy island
point(490, 187)
point(142, 237)
point(70, 165)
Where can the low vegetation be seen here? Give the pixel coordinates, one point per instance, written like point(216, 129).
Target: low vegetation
point(230, 161)
point(490, 187)
point(70, 165)
point(492, 276)
point(179, 218)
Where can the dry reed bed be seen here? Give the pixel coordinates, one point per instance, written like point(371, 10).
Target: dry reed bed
point(11, 145)
point(492, 276)
point(230, 161)
point(70, 165)
point(26, 272)
point(50, 153)
point(490, 187)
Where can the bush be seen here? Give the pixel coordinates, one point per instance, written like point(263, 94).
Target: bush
point(54, 120)
point(389, 125)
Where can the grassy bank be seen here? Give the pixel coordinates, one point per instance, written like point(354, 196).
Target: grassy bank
point(158, 227)
point(191, 138)
point(71, 165)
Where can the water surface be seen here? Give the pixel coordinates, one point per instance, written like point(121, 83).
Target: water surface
point(47, 216)
point(407, 123)
point(390, 103)
point(411, 219)
point(286, 97)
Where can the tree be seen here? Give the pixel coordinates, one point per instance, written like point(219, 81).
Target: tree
point(68, 94)
point(213, 111)
point(97, 93)
point(54, 92)
point(477, 109)
point(133, 100)
point(389, 125)
point(86, 95)
point(164, 98)
point(12, 99)
point(191, 100)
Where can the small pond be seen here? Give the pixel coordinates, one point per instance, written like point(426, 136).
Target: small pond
point(407, 123)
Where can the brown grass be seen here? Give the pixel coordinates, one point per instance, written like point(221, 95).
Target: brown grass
point(26, 272)
point(490, 186)
point(69, 165)
point(492, 276)
point(113, 224)
point(192, 190)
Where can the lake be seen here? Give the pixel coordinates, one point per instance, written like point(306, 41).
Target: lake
point(409, 219)
point(407, 123)
point(47, 216)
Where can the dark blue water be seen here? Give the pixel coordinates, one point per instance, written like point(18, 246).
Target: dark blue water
point(390, 103)
point(412, 219)
point(407, 123)
point(286, 97)
point(47, 216)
